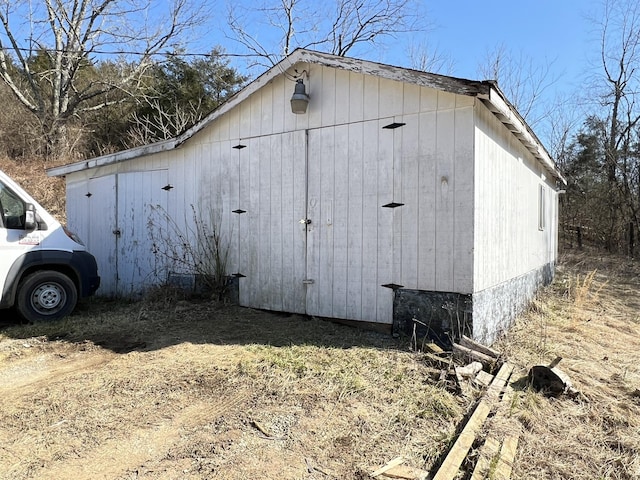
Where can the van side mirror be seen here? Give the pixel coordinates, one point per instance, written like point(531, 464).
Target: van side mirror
point(30, 223)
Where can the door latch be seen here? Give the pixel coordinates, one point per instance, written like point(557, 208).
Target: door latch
point(305, 221)
point(117, 232)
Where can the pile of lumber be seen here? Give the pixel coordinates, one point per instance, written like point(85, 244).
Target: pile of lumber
point(469, 364)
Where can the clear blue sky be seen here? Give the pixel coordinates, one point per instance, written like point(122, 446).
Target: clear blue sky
point(548, 31)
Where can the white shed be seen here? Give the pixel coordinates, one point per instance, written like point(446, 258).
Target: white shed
point(397, 195)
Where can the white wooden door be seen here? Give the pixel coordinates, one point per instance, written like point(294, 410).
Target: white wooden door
point(91, 213)
point(271, 239)
point(141, 200)
point(350, 237)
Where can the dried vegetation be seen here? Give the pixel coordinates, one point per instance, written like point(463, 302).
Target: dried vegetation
point(177, 389)
point(173, 388)
point(590, 317)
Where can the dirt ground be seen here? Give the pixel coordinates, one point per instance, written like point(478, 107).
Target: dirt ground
point(170, 389)
point(173, 389)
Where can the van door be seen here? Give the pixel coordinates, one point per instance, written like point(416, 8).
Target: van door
point(14, 239)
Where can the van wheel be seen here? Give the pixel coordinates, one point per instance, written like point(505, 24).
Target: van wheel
point(46, 295)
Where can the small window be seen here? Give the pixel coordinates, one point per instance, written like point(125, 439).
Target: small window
point(12, 208)
point(542, 220)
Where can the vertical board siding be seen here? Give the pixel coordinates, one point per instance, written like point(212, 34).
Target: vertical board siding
point(462, 243)
point(271, 239)
point(444, 199)
point(337, 166)
point(508, 242)
point(355, 220)
point(93, 218)
point(245, 222)
point(408, 232)
point(340, 221)
point(370, 229)
point(138, 265)
point(324, 222)
point(426, 201)
point(342, 96)
point(356, 97)
point(385, 174)
point(350, 178)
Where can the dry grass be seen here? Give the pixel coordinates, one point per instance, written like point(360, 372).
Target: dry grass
point(170, 388)
point(589, 317)
point(190, 381)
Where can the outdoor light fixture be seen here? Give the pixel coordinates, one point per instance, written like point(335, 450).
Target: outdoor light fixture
point(300, 99)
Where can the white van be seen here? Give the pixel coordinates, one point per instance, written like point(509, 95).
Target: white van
point(44, 268)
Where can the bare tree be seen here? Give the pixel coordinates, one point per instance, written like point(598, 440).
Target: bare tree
point(522, 79)
point(337, 26)
point(163, 125)
point(426, 58)
point(48, 46)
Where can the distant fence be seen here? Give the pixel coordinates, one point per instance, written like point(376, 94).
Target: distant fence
point(578, 237)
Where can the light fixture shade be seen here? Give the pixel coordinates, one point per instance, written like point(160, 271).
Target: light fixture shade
point(300, 99)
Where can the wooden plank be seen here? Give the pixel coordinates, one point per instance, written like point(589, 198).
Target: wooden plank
point(262, 273)
point(371, 95)
point(385, 252)
point(407, 244)
point(229, 156)
point(324, 222)
point(426, 218)
point(297, 195)
point(406, 473)
point(488, 452)
point(339, 220)
point(433, 348)
point(444, 362)
point(463, 200)
point(393, 463)
point(370, 212)
point(327, 97)
point(391, 98)
point(314, 164)
point(466, 355)
point(507, 456)
point(341, 95)
point(356, 97)
point(280, 285)
point(483, 379)
point(449, 468)
point(469, 343)
point(355, 223)
point(445, 199)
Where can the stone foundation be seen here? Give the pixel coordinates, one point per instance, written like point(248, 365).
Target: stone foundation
point(443, 317)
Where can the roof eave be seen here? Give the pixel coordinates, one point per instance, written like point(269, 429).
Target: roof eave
point(497, 103)
point(112, 158)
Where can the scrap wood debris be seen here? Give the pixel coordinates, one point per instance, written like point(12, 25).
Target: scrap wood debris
point(452, 463)
point(395, 469)
point(468, 364)
point(483, 454)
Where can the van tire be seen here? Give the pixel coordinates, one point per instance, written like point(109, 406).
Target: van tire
point(46, 295)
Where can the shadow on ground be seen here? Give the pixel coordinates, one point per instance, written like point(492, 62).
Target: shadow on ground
point(154, 324)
